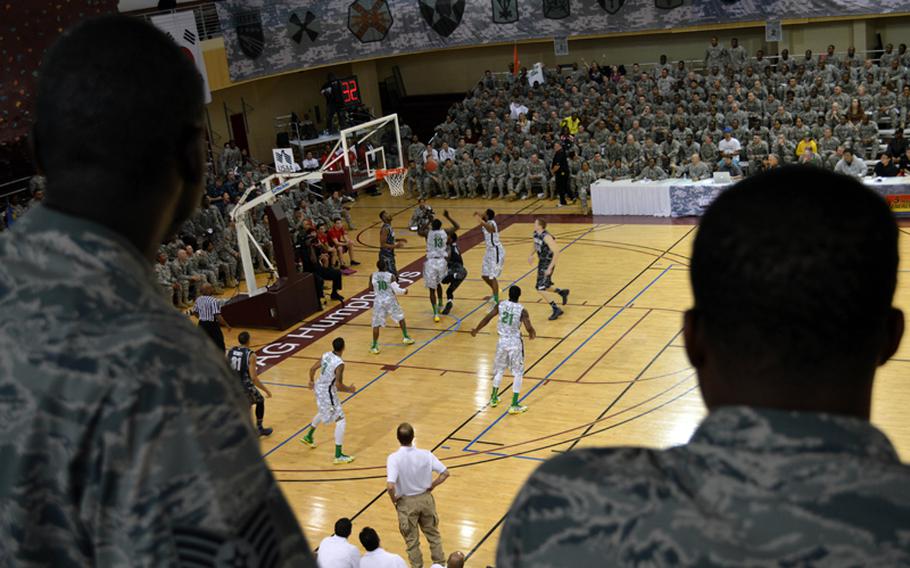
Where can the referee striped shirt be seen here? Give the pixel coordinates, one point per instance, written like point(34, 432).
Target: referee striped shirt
point(207, 308)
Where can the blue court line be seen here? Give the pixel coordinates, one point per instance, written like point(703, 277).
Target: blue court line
point(569, 356)
point(412, 353)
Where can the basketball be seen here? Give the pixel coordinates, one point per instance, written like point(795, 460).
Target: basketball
point(431, 166)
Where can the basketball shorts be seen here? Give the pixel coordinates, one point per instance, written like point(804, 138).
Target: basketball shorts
point(434, 270)
point(253, 395)
point(493, 260)
point(328, 408)
point(511, 357)
point(544, 281)
point(384, 310)
point(456, 273)
point(388, 262)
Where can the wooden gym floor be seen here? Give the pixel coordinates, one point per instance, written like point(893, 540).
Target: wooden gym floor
point(610, 372)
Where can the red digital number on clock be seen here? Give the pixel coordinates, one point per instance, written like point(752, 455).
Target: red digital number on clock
point(349, 88)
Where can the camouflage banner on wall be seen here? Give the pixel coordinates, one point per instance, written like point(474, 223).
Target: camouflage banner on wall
point(263, 37)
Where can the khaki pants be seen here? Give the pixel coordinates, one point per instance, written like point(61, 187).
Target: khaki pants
point(420, 511)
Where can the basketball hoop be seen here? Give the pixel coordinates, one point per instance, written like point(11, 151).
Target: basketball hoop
point(395, 178)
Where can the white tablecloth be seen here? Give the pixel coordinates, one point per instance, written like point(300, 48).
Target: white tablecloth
point(655, 198)
point(626, 197)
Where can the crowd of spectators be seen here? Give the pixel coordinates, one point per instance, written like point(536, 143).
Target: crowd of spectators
point(737, 113)
point(205, 249)
point(671, 120)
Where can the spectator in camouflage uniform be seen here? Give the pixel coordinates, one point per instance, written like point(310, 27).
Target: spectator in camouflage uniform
point(786, 465)
point(497, 173)
point(518, 177)
point(583, 180)
point(148, 450)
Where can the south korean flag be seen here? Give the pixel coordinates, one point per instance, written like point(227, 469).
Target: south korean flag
point(181, 26)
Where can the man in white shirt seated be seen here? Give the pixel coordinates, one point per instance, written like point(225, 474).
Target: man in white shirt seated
point(376, 557)
point(430, 153)
point(729, 146)
point(850, 165)
point(335, 551)
point(446, 153)
point(310, 164)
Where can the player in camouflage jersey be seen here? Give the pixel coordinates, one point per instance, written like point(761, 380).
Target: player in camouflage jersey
point(435, 267)
point(510, 350)
point(326, 387)
point(388, 243)
point(456, 270)
point(494, 254)
point(385, 305)
point(242, 360)
point(547, 253)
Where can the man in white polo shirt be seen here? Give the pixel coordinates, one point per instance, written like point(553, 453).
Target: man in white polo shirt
point(409, 476)
point(376, 557)
point(335, 551)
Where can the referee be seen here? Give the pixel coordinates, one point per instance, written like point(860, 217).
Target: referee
point(560, 170)
point(208, 309)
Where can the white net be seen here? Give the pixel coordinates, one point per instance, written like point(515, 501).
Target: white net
point(395, 179)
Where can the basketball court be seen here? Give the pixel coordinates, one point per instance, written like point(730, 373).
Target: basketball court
point(612, 371)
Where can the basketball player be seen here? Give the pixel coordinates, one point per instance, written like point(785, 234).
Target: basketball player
point(545, 247)
point(510, 351)
point(385, 305)
point(494, 255)
point(435, 268)
point(329, 407)
point(243, 361)
point(457, 272)
point(388, 243)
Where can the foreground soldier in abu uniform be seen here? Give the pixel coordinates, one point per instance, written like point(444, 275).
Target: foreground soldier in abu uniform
point(786, 468)
point(125, 438)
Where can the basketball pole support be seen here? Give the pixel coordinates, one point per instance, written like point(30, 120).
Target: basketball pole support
point(285, 182)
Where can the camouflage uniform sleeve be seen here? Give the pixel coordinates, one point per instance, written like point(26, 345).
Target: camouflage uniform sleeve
point(176, 467)
point(570, 514)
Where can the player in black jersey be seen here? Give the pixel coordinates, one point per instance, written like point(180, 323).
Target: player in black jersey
point(457, 272)
point(243, 361)
point(388, 243)
point(545, 247)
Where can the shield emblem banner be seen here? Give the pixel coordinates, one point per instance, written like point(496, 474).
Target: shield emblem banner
point(505, 11)
point(556, 9)
point(369, 20)
point(668, 4)
point(444, 16)
point(249, 33)
point(611, 6)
